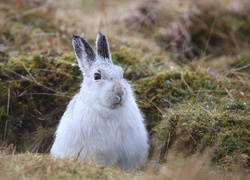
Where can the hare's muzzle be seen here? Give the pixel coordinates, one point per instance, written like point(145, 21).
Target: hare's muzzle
point(118, 92)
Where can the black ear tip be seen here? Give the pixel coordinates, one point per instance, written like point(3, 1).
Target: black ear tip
point(74, 36)
point(100, 34)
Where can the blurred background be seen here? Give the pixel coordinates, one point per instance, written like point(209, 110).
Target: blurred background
point(184, 29)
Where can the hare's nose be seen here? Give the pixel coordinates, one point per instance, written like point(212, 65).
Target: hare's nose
point(118, 90)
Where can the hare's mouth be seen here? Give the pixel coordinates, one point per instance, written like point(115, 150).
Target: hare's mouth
point(113, 100)
point(117, 101)
point(116, 105)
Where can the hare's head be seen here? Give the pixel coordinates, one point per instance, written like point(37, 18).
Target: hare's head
point(103, 81)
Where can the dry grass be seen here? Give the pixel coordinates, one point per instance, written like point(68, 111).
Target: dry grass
point(194, 168)
point(36, 166)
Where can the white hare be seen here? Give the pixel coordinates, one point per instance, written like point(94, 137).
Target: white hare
point(102, 122)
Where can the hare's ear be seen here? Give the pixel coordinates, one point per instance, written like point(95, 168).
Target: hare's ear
point(84, 53)
point(102, 48)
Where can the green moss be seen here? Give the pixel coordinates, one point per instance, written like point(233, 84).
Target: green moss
point(136, 64)
point(189, 111)
point(167, 88)
point(125, 56)
point(195, 127)
point(195, 130)
point(35, 96)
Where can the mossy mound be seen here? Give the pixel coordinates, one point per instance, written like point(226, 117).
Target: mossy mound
point(211, 112)
point(198, 128)
point(137, 64)
point(34, 93)
point(167, 88)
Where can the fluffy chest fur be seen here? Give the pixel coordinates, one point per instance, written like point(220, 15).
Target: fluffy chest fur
point(108, 139)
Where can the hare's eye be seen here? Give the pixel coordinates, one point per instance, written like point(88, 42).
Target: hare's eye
point(97, 76)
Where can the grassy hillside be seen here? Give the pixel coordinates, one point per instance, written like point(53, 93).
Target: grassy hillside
point(190, 69)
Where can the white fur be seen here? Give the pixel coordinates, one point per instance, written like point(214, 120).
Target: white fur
point(96, 127)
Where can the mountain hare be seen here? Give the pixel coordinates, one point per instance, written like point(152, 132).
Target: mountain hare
point(102, 122)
